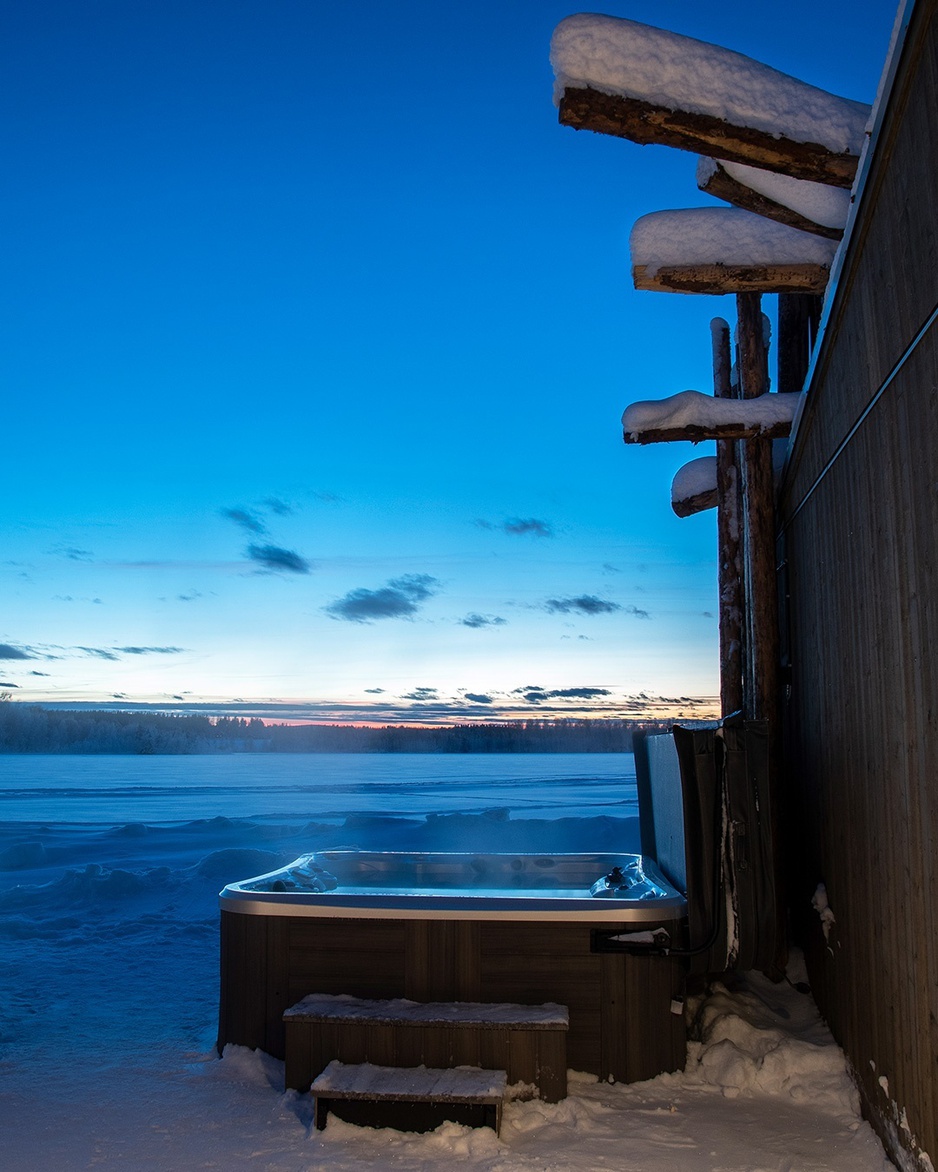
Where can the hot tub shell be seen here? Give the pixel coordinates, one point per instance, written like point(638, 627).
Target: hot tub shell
point(411, 926)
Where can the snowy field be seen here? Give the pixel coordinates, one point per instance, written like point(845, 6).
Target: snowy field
point(108, 992)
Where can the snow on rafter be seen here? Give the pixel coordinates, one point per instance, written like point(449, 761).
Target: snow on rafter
point(725, 250)
point(693, 416)
point(627, 79)
point(812, 207)
point(694, 487)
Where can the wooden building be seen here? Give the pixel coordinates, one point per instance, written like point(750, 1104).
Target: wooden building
point(858, 570)
point(847, 674)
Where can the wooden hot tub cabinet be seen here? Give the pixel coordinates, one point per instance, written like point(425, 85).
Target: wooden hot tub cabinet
point(622, 1022)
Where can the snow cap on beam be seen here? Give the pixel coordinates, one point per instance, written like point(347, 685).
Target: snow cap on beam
point(812, 207)
point(693, 416)
point(725, 250)
point(694, 487)
point(762, 115)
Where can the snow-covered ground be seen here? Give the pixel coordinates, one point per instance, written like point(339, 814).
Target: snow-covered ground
point(108, 990)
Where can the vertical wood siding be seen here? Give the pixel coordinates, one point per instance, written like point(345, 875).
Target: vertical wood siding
point(859, 524)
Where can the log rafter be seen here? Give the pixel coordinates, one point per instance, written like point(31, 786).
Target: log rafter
point(720, 184)
point(583, 108)
point(718, 279)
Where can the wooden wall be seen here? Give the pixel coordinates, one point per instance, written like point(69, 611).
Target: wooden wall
point(859, 549)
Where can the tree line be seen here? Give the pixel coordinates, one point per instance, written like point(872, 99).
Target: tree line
point(28, 728)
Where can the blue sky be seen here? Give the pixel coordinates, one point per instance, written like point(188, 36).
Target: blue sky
point(318, 331)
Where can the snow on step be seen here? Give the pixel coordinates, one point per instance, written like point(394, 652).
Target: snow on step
point(818, 202)
point(397, 1011)
point(722, 236)
point(421, 1083)
point(692, 409)
point(632, 60)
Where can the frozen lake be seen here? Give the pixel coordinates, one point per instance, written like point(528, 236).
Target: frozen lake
point(96, 789)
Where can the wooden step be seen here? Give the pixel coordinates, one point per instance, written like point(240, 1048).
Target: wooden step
point(527, 1041)
point(450, 1092)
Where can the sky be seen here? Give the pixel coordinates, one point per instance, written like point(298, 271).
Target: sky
point(318, 329)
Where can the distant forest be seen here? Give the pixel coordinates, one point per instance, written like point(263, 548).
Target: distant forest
point(27, 728)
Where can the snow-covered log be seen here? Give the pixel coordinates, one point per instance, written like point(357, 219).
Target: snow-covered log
point(725, 250)
point(623, 78)
point(693, 416)
point(694, 487)
point(810, 207)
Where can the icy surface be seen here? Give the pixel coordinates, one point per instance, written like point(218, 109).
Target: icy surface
point(817, 202)
point(634, 60)
point(695, 477)
point(722, 236)
point(108, 1012)
point(694, 409)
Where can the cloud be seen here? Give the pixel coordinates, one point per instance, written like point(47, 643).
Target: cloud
point(150, 650)
point(274, 559)
point(245, 519)
point(539, 695)
point(478, 698)
point(8, 684)
point(8, 651)
point(73, 554)
point(707, 614)
point(99, 652)
point(638, 612)
point(610, 568)
point(281, 508)
point(482, 620)
point(190, 597)
point(520, 527)
point(587, 604)
point(375, 691)
point(422, 694)
point(399, 599)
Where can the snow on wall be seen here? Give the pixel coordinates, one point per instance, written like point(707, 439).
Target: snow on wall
point(694, 409)
point(634, 60)
point(694, 478)
point(824, 205)
point(722, 236)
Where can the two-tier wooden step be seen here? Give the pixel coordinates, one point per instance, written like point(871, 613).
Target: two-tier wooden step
point(414, 1099)
point(529, 1042)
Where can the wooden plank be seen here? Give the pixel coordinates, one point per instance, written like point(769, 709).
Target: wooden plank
point(698, 502)
point(715, 431)
point(643, 122)
point(718, 279)
point(729, 525)
point(798, 318)
point(722, 185)
point(760, 676)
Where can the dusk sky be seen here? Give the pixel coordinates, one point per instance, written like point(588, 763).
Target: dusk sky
point(318, 328)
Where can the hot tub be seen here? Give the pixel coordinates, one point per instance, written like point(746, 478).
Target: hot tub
point(460, 927)
point(397, 885)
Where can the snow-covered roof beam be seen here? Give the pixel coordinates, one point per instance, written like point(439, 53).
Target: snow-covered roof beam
point(694, 487)
point(725, 250)
point(693, 416)
point(810, 207)
point(627, 79)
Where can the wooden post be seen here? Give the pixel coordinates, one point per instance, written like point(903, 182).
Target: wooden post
point(760, 675)
point(798, 318)
point(729, 553)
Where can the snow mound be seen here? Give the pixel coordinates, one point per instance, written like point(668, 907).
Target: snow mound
point(722, 236)
point(818, 202)
point(235, 863)
point(694, 409)
point(625, 58)
point(694, 478)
